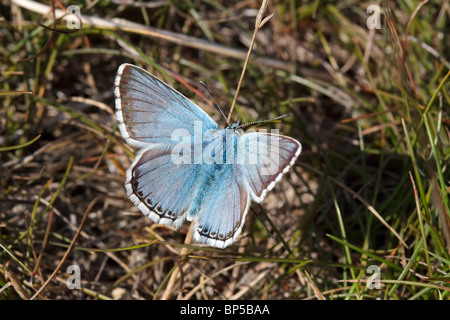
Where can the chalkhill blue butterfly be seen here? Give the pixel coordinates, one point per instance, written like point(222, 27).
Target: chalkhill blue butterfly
point(187, 168)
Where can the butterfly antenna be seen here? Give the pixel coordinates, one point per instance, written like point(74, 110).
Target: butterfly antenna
point(217, 105)
point(268, 120)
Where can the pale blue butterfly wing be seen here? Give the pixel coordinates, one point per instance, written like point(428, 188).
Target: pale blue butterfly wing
point(216, 191)
point(223, 210)
point(148, 110)
point(162, 190)
point(264, 158)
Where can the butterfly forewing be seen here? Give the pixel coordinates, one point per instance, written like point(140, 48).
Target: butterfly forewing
point(265, 158)
point(149, 111)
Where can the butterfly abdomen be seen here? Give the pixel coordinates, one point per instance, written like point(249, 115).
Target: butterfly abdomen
point(204, 184)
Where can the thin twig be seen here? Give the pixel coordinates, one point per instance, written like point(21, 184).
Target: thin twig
point(173, 37)
point(258, 24)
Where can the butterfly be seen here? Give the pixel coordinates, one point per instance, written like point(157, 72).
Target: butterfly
point(187, 168)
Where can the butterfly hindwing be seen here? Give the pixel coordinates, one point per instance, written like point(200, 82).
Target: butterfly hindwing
point(159, 188)
point(223, 209)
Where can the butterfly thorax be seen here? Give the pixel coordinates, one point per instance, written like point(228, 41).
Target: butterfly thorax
point(220, 146)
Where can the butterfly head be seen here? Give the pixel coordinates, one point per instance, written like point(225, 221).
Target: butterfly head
point(235, 126)
point(235, 129)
